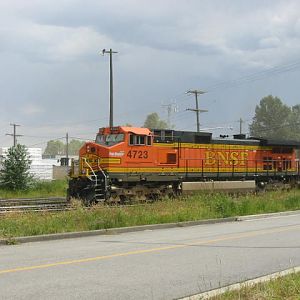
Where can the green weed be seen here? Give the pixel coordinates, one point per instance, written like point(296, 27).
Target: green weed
point(286, 287)
point(39, 189)
point(196, 207)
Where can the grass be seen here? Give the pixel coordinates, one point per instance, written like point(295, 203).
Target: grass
point(286, 287)
point(55, 188)
point(197, 207)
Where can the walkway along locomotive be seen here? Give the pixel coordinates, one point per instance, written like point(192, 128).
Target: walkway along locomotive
point(126, 163)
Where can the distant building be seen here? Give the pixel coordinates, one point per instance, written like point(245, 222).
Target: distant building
point(40, 168)
point(61, 159)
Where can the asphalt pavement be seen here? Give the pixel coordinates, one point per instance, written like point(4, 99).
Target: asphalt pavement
point(159, 264)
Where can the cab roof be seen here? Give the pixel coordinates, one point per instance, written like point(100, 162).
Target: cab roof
point(134, 130)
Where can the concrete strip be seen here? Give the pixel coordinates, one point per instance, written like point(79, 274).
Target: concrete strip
point(69, 235)
point(240, 285)
point(268, 215)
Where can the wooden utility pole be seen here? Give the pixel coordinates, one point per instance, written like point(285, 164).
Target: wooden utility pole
point(14, 134)
point(67, 149)
point(197, 110)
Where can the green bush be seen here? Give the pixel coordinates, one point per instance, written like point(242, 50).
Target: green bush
point(15, 175)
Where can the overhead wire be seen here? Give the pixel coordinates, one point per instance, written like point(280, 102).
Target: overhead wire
point(249, 78)
point(255, 76)
point(276, 127)
point(182, 96)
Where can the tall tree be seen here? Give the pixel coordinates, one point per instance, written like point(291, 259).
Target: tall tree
point(74, 147)
point(59, 148)
point(294, 123)
point(272, 119)
point(15, 169)
point(55, 148)
point(153, 121)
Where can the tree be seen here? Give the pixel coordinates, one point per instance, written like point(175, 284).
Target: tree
point(153, 121)
point(15, 169)
point(294, 123)
point(272, 119)
point(55, 148)
point(74, 147)
point(59, 148)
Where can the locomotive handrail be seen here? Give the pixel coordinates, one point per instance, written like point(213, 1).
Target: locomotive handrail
point(103, 173)
point(84, 159)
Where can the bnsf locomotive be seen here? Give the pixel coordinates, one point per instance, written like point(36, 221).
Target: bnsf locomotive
point(126, 163)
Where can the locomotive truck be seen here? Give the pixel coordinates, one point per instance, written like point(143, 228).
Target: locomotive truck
point(132, 163)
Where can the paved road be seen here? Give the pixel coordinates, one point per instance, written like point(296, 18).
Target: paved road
point(160, 264)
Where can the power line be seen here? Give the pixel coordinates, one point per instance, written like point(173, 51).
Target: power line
point(255, 76)
point(40, 137)
point(80, 138)
point(223, 84)
point(277, 127)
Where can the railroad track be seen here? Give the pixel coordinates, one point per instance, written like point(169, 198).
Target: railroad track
point(46, 204)
point(33, 204)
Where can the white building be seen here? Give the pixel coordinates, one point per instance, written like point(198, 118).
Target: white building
point(40, 168)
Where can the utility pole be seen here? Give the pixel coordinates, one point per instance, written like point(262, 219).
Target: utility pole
point(67, 149)
point(111, 96)
point(197, 110)
point(14, 134)
point(241, 125)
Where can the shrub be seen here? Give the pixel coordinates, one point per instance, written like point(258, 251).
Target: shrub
point(15, 170)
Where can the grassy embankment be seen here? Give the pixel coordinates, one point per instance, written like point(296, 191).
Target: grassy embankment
point(286, 287)
point(197, 207)
point(55, 188)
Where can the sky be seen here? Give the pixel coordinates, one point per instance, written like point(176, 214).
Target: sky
point(54, 79)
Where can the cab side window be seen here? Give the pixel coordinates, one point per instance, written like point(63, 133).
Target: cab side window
point(139, 140)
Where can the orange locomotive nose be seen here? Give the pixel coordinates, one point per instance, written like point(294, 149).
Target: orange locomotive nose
point(91, 155)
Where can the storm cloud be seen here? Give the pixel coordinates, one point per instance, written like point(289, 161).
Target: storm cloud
point(54, 80)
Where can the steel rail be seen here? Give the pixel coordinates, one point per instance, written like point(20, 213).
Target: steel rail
point(33, 204)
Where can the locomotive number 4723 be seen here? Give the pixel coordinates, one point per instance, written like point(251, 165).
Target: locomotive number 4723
point(137, 154)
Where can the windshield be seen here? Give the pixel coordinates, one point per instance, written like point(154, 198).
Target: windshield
point(109, 139)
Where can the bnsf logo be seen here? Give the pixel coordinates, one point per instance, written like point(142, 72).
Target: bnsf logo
point(228, 158)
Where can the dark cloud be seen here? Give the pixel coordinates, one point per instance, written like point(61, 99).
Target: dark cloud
point(52, 71)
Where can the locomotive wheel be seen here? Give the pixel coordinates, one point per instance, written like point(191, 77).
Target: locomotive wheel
point(123, 199)
point(88, 199)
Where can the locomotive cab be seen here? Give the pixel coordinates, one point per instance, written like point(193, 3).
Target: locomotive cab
point(114, 146)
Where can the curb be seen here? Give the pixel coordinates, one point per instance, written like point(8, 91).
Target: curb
point(239, 285)
point(268, 215)
point(69, 235)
